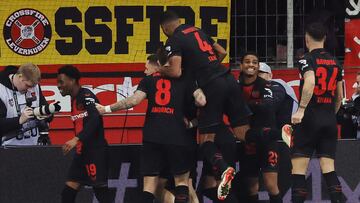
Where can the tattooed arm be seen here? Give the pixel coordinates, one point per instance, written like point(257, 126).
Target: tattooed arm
point(308, 89)
point(126, 103)
point(306, 95)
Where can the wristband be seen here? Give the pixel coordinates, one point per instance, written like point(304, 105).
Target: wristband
point(108, 109)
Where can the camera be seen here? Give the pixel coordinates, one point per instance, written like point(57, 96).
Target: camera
point(47, 110)
point(41, 120)
point(44, 110)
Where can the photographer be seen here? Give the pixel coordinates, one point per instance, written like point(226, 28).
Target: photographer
point(19, 95)
point(349, 113)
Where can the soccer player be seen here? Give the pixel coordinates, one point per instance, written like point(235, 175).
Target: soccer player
point(89, 166)
point(191, 50)
point(315, 121)
point(259, 96)
point(166, 141)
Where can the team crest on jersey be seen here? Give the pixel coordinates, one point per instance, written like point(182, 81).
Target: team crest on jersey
point(27, 32)
point(11, 102)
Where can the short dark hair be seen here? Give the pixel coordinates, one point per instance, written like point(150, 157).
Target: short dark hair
point(316, 30)
point(70, 71)
point(152, 58)
point(253, 53)
point(168, 16)
point(162, 55)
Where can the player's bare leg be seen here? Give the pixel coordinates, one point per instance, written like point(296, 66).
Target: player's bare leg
point(69, 192)
point(192, 192)
point(328, 170)
point(150, 183)
point(271, 185)
point(240, 132)
point(253, 189)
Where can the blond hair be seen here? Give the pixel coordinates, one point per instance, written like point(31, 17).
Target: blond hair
point(31, 72)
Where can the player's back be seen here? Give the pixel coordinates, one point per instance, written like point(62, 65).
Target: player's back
point(327, 73)
point(165, 112)
point(197, 53)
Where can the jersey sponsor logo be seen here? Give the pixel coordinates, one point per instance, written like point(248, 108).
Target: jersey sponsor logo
point(27, 32)
point(79, 116)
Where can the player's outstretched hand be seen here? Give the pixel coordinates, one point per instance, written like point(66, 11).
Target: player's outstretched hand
point(100, 108)
point(297, 117)
point(69, 145)
point(200, 98)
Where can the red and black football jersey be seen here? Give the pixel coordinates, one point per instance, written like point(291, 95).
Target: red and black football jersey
point(198, 56)
point(88, 122)
point(327, 72)
point(164, 121)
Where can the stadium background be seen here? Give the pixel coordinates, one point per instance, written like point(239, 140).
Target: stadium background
point(109, 41)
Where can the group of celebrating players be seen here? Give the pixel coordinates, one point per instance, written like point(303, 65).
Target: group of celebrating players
point(189, 91)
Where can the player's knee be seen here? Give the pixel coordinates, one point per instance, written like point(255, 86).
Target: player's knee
point(240, 131)
point(327, 165)
point(272, 188)
point(182, 179)
point(150, 183)
point(73, 185)
point(207, 137)
point(253, 187)
point(299, 165)
point(270, 182)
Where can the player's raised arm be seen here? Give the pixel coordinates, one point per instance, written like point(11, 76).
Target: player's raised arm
point(220, 51)
point(172, 68)
point(126, 103)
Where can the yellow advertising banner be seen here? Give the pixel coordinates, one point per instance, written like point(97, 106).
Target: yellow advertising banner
point(97, 32)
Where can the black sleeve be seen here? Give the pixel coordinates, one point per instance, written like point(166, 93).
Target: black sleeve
point(173, 47)
point(144, 84)
point(340, 74)
point(305, 64)
point(7, 124)
point(88, 100)
point(279, 94)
